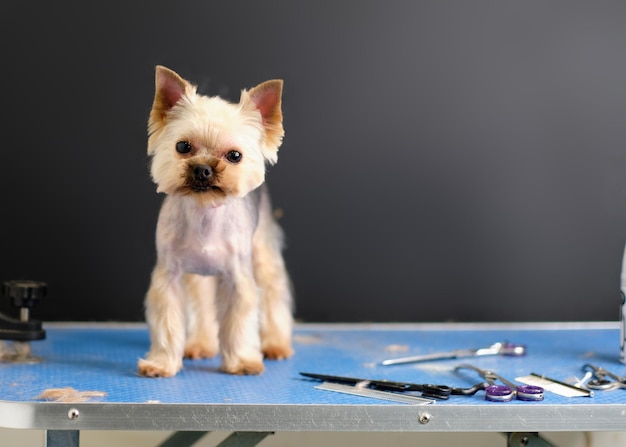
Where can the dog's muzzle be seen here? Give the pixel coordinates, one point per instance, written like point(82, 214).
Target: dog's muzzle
point(202, 178)
point(202, 173)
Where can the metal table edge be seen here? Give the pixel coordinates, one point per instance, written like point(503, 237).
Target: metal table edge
point(450, 326)
point(498, 417)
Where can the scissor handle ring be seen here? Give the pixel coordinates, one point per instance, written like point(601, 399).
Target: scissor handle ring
point(601, 384)
point(530, 393)
point(512, 349)
point(499, 393)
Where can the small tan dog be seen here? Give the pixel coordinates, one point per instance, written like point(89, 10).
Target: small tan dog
point(220, 274)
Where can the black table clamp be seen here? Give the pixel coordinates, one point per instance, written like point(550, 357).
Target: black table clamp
point(24, 294)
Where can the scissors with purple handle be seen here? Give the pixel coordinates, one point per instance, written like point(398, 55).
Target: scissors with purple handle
point(506, 392)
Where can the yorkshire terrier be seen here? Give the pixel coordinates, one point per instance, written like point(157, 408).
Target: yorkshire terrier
point(220, 282)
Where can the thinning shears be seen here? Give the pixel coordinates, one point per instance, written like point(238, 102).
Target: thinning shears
point(600, 381)
point(428, 390)
point(495, 349)
point(504, 393)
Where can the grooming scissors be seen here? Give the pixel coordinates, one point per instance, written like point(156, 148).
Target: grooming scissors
point(495, 349)
point(506, 392)
point(600, 381)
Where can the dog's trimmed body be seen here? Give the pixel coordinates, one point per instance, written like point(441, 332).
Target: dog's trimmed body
point(220, 274)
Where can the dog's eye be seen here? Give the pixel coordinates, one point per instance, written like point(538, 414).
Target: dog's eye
point(234, 156)
point(183, 147)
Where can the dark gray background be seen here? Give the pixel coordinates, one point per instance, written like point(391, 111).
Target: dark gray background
point(443, 160)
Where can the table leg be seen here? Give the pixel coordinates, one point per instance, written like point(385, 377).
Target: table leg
point(526, 440)
point(62, 438)
point(244, 439)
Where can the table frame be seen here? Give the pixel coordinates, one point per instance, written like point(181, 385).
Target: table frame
point(63, 421)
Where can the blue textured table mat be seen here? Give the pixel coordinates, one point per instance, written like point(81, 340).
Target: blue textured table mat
point(104, 359)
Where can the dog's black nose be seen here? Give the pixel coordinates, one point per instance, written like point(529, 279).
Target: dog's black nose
point(202, 172)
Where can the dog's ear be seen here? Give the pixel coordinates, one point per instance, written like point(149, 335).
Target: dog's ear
point(266, 98)
point(169, 88)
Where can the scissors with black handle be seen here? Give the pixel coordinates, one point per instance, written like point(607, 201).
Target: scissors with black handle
point(428, 390)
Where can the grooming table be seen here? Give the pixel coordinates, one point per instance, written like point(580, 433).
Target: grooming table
point(103, 357)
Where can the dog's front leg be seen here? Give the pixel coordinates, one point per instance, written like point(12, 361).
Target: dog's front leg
point(238, 304)
point(165, 314)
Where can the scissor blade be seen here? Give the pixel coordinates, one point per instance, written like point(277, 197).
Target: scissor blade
point(342, 379)
point(434, 356)
point(380, 384)
point(495, 349)
point(427, 390)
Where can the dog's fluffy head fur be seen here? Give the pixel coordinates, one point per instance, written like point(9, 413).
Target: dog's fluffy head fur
point(208, 148)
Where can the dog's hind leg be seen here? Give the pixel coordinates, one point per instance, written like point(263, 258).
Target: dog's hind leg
point(273, 280)
point(201, 318)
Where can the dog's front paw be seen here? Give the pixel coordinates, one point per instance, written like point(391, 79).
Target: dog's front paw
point(158, 368)
point(243, 367)
point(277, 351)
